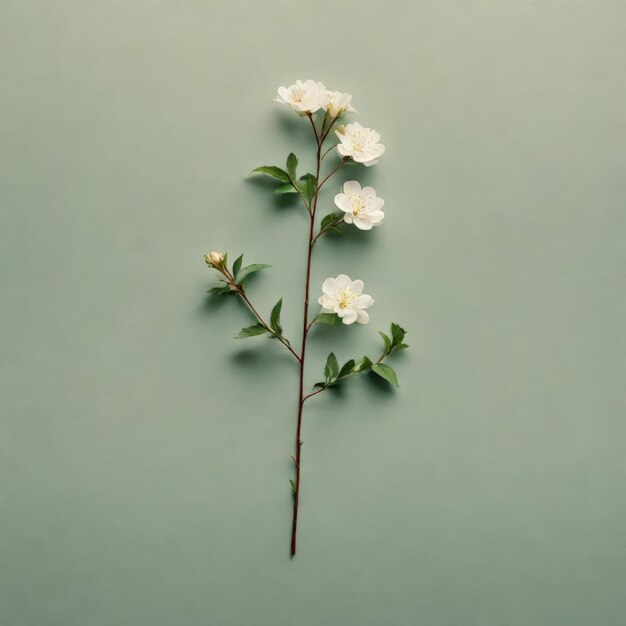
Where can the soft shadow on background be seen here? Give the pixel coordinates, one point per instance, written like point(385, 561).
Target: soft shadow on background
point(144, 453)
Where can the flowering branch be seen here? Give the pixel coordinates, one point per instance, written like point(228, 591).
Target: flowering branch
point(342, 299)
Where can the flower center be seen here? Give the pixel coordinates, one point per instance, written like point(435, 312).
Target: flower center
point(357, 205)
point(345, 298)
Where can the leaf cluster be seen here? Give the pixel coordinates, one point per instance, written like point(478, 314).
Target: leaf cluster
point(305, 186)
point(393, 342)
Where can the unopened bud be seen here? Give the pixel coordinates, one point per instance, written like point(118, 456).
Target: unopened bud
point(215, 259)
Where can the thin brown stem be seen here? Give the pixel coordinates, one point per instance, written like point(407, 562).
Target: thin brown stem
point(329, 175)
point(305, 330)
point(314, 393)
point(242, 293)
point(317, 137)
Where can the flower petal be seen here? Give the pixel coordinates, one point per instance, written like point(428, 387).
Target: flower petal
point(362, 223)
point(343, 282)
point(357, 287)
point(362, 317)
point(364, 301)
point(343, 149)
point(349, 316)
point(329, 286)
point(342, 202)
point(352, 188)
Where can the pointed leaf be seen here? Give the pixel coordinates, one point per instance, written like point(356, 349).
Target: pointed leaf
point(293, 485)
point(237, 265)
point(219, 290)
point(275, 317)
point(308, 186)
point(320, 385)
point(397, 333)
point(328, 220)
point(250, 269)
point(286, 188)
point(364, 364)
point(251, 331)
point(292, 164)
point(386, 372)
point(386, 340)
point(332, 367)
point(327, 318)
point(273, 171)
point(347, 368)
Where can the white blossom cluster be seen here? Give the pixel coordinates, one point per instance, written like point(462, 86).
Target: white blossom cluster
point(361, 205)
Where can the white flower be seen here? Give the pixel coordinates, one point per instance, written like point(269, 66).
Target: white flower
point(359, 143)
point(345, 297)
point(214, 259)
point(362, 207)
point(304, 97)
point(336, 103)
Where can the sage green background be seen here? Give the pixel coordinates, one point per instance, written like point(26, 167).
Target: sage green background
point(144, 453)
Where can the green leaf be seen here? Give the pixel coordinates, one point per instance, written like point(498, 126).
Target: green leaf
point(332, 367)
point(386, 372)
point(308, 186)
point(251, 331)
point(237, 265)
point(275, 317)
point(328, 220)
point(292, 164)
point(220, 290)
point(335, 230)
point(293, 485)
point(250, 269)
point(320, 385)
point(401, 346)
point(397, 333)
point(273, 171)
point(363, 364)
point(286, 188)
point(386, 340)
point(347, 368)
point(327, 318)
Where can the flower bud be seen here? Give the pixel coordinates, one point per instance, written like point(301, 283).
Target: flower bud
point(214, 259)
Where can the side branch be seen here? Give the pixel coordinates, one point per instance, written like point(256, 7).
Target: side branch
point(240, 290)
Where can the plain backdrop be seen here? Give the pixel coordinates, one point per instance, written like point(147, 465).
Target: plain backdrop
point(144, 454)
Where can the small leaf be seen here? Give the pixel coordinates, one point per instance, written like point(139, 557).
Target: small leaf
point(320, 385)
point(386, 372)
point(293, 484)
point(237, 265)
point(219, 290)
point(401, 346)
point(250, 269)
point(364, 364)
point(327, 318)
point(273, 171)
point(332, 367)
point(335, 231)
point(275, 317)
point(292, 164)
point(286, 188)
point(309, 186)
point(386, 340)
point(251, 331)
point(347, 368)
point(328, 220)
point(397, 333)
